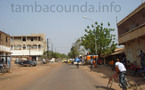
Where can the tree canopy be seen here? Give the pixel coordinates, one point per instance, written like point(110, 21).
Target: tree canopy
point(54, 55)
point(101, 36)
point(76, 49)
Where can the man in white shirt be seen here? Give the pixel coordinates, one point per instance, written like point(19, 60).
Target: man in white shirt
point(122, 71)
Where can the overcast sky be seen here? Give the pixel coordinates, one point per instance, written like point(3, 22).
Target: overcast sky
point(61, 20)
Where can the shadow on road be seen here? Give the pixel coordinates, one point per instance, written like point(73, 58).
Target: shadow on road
point(102, 87)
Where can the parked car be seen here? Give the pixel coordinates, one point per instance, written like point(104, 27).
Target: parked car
point(64, 61)
point(17, 61)
point(52, 60)
point(28, 63)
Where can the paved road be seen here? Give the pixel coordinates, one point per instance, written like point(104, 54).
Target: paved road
point(65, 77)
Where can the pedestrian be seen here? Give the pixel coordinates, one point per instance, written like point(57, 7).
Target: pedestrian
point(124, 61)
point(77, 60)
point(44, 61)
point(121, 70)
point(9, 62)
point(142, 59)
point(95, 61)
point(111, 63)
point(91, 62)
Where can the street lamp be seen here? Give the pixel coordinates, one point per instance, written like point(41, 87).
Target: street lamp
point(95, 35)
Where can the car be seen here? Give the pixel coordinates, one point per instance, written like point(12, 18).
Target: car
point(52, 60)
point(17, 61)
point(64, 61)
point(28, 63)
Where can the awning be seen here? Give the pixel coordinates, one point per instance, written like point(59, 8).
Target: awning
point(120, 51)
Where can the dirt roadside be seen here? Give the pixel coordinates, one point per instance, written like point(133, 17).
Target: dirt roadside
point(103, 73)
point(20, 76)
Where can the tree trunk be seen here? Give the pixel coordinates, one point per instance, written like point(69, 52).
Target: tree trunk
point(104, 61)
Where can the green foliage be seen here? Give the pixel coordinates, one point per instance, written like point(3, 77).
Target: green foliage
point(76, 49)
point(54, 55)
point(105, 43)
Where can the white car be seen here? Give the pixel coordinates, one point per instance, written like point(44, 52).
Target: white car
point(52, 60)
point(76, 62)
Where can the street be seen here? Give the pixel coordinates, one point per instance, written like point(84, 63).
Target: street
point(51, 77)
point(59, 76)
point(64, 77)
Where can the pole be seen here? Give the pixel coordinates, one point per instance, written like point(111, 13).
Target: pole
point(48, 48)
point(52, 47)
point(95, 32)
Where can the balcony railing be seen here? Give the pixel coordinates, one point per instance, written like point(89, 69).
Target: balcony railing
point(4, 48)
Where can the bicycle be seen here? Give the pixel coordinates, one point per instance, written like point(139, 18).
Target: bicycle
point(4, 68)
point(77, 64)
point(131, 84)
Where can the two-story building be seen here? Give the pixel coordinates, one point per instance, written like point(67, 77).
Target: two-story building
point(32, 45)
point(4, 47)
point(131, 33)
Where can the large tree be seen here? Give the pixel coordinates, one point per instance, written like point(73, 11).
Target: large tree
point(76, 49)
point(105, 41)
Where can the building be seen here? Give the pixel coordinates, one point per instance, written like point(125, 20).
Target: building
point(4, 47)
point(131, 33)
point(27, 46)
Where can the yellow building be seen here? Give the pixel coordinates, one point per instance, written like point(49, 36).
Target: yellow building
point(4, 46)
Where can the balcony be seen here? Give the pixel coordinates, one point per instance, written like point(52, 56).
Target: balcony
point(132, 34)
point(4, 49)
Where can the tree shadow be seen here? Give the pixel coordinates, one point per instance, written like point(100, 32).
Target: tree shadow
point(102, 87)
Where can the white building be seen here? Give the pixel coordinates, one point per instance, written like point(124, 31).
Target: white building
point(33, 45)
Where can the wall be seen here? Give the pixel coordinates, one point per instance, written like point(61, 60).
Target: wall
point(132, 49)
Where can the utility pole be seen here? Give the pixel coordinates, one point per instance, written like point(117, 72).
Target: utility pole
point(48, 48)
point(52, 47)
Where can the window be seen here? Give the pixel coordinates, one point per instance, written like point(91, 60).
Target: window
point(31, 39)
point(0, 38)
point(34, 46)
point(11, 46)
point(18, 47)
point(29, 47)
point(6, 39)
point(39, 39)
point(39, 46)
point(24, 38)
point(24, 47)
point(11, 39)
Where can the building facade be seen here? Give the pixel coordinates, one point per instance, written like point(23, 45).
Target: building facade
point(33, 45)
point(4, 47)
point(131, 33)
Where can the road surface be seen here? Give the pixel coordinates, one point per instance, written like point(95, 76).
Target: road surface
point(64, 77)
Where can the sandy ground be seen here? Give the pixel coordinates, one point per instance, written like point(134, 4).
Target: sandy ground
point(104, 73)
point(20, 76)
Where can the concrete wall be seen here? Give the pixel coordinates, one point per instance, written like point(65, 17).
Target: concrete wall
point(4, 39)
point(132, 49)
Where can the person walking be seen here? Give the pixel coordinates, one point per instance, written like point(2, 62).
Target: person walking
point(124, 61)
point(44, 61)
point(121, 70)
point(142, 59)
point(77, 60)
point(91, 61)
point(9, 62)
